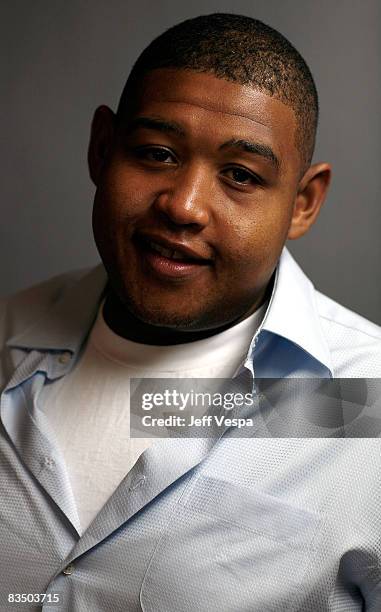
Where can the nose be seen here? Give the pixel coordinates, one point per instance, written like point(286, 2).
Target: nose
point(185, 200)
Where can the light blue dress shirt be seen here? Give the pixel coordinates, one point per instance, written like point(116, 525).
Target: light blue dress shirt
point(211, 524)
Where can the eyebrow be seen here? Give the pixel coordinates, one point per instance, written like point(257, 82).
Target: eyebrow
point(159, 125)
point(171, 127)
point(256, 148)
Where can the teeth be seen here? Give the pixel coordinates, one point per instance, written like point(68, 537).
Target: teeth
point(160, 249)
point(169, 253)
point(177, 255)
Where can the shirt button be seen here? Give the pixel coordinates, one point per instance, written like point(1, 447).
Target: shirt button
point(49, 462)
point(137, 482)
point(68, 569)
point(64, 358)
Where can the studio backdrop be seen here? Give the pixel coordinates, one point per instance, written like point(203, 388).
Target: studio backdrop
point(63, 58)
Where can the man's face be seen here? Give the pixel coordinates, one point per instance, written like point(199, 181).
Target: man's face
point(195, 199)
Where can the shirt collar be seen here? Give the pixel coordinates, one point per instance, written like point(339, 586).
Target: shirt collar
point(291, 314)
point(65, 326)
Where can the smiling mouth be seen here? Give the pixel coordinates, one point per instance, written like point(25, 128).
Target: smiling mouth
point(173, 253)
point(168, 253)
point(169, 263)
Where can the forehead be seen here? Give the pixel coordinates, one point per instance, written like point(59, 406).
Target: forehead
point(201, 98)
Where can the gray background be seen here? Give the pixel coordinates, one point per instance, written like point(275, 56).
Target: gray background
point(63, 58)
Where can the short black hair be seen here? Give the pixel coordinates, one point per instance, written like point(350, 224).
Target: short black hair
point(243, 50)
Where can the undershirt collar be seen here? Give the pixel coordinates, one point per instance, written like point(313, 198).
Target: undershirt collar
point(227, 345)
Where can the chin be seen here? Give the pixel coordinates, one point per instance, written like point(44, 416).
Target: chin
point(165, 318)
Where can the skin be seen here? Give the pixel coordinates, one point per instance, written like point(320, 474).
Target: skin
point(235, 207)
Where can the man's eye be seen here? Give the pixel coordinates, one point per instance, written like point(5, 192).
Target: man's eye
point(242, 176)
point(156, 154)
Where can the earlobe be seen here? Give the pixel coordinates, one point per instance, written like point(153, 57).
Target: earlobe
point(101, 139)
point(310, 198)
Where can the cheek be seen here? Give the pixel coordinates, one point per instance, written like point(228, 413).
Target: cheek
point(121, 198)
point(256, 240)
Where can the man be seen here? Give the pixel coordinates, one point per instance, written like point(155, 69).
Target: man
point(202, 175)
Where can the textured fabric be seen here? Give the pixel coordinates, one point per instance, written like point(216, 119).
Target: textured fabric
point(88, 410)
point(212, 524)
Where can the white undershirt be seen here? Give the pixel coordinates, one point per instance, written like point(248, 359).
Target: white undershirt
point(88, 408)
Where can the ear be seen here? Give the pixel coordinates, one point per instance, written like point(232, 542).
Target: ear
point(101, 139)
point(310, 198)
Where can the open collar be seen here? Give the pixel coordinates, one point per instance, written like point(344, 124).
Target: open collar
point(292, 314)
point(65, 326)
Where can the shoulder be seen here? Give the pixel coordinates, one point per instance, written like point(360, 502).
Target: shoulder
point(353, 341)
point(20, 310)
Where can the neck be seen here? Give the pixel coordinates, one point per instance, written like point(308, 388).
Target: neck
point(123, 323)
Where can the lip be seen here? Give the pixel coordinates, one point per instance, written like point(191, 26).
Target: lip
point(166, 268)
point(182, 247)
